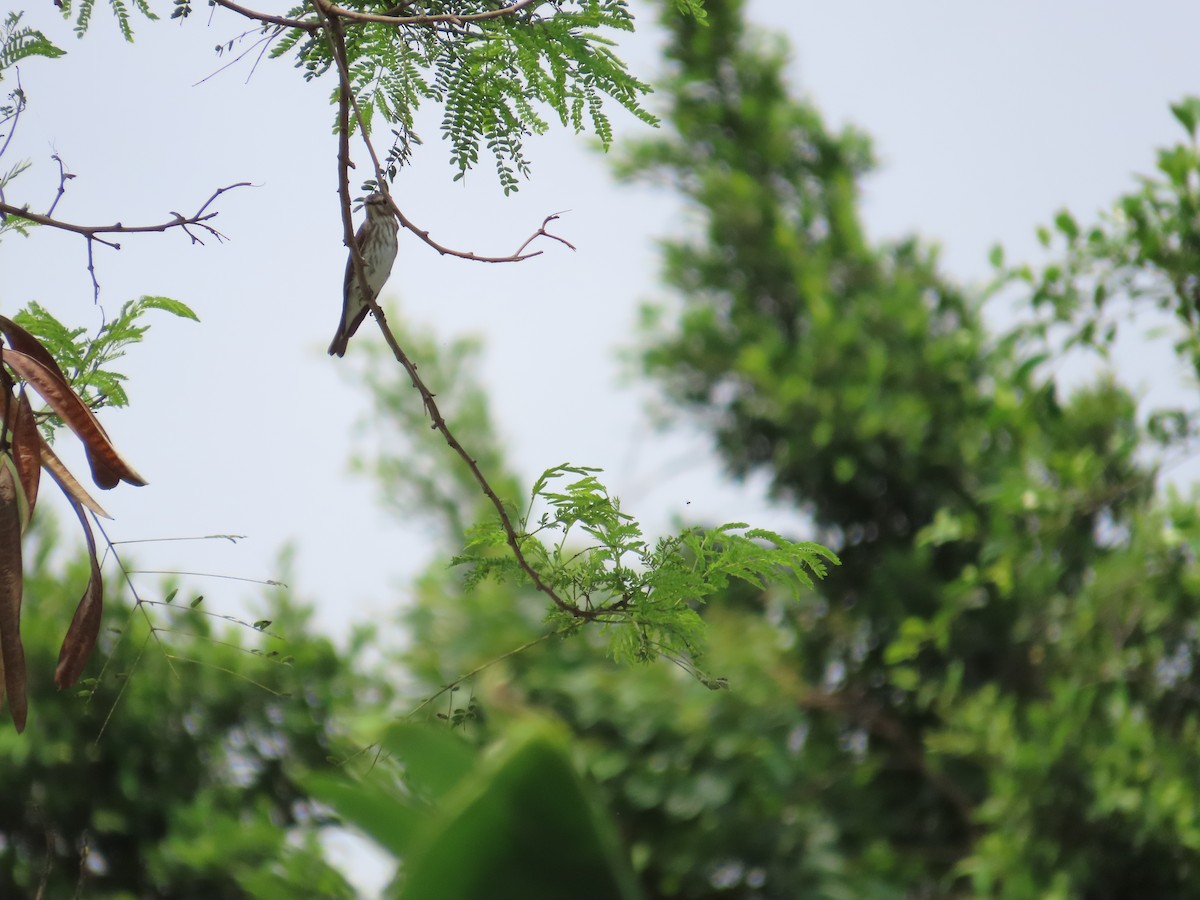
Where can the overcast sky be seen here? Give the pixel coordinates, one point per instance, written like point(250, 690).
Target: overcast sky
point(987, 118)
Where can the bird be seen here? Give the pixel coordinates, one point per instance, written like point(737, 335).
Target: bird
point(377, 242)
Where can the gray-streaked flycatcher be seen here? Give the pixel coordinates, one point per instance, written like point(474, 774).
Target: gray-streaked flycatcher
point(376, 241)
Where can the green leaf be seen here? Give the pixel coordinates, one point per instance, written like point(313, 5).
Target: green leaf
point(1187, 113)
point(390, 820)
point(523, 827)
point(435, 760)
point(19, 42)
point(166, 304)
point(1067, 225)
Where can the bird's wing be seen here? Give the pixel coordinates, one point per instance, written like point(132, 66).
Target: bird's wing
point(361, 240)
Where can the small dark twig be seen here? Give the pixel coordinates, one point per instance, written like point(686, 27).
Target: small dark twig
point(457, 682)
point(264, 40)
point(16, 115)
point(63, 177)
point(266, 45)
point(519, 256)
point(542, 232)
point(91, 266)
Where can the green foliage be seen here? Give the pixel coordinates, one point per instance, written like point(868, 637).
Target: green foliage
point(693, 8)
point(13, 223)
point(996, 694)
point(18, 42)
point(87, 360)
point(494, 76)
point(1138, 259)
point(171, 771)
point(83, 14)
point(574, 533)
point(529, 825)
point(645, 596)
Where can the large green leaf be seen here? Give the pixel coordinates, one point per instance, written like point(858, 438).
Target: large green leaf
point(524, 827)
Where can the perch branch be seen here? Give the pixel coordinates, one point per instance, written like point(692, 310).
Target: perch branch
point(337, 40)
point(313, 25)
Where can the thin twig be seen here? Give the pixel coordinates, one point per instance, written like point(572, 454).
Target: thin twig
point(519, 256)
point(16, 116)
point(199, 219)
point(124, 683)
point(232, 538)
point(324, 10)
point(263, 581)
point(63, 177)
point(542, 232)
point(228, 671)
point(132, 590)
point(197, 611)
point(263, 39)
point(479, 668)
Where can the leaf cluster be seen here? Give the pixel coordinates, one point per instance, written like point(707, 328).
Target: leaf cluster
point(14, 224)
point(87, 359)
point(495, 77)
point(1142, 254)
point(647, 596)
point(18, 42)
point(83, 9)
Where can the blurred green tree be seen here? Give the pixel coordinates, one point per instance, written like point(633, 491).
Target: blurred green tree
point(171, 771)
point(994, 695)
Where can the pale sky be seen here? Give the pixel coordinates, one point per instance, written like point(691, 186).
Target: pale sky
point(987, 118)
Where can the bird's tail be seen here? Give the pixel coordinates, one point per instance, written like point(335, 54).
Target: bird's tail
point(340, 341)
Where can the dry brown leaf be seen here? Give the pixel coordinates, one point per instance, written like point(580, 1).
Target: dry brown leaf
point(66, 481)
point(81, 636)
point(108, 468)
point(11, 650)
point(27, 454)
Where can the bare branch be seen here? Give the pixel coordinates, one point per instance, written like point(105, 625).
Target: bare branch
point(337, 40)
point(475, 257)
point(19, 94)
point(91, 233)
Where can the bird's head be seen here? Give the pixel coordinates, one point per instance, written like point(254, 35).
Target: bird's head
point(377, 205)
